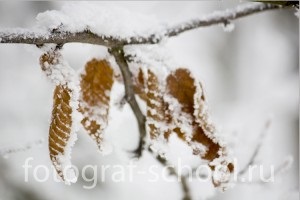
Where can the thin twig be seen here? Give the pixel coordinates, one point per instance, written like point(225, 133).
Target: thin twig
point(257, 148)
point(283, 167)
point(182, 179)
point(25, 36)
point(6, 151)
point(119, 56)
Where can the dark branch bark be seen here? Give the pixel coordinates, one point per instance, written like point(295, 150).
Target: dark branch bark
point(38, 38)
point(119, 56)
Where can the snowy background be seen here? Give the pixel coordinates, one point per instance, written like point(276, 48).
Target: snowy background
point(250, 76)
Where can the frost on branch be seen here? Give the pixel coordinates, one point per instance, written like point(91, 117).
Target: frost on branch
point(96, 84)
point(65, 117)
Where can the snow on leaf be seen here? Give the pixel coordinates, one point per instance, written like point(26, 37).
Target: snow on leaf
point(182, 86)
point(65, 117)
point(56, 68)
point(176, 104)
point(96, 84)
point(158, 116)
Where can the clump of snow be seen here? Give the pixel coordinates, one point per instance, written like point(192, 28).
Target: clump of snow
point(101, 20)
point(56, 68)
point(156, 57)
point(228, 27)
point(106, 147)
point(221, 174)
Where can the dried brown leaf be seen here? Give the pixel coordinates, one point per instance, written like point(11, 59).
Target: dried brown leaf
point(139, 85)
point(157, 109)
point(60, 127)
point(182, 86)
point(96, 84)
point(189, 94)
point(60, 130)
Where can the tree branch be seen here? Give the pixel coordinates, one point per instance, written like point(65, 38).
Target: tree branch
point(219, 17)
point(257, 148)
point(25, 36)
point(172, 171)
point(119, 56)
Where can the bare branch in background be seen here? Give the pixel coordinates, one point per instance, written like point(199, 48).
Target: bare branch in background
point(61, 37)
point(257, 148)
point(6, 151)
point(282, 168)
point(119, 56)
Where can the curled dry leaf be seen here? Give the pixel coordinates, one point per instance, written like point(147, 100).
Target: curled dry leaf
point(62, 131)
point(96, 84)
point(60, 127)
point(189, 94)
point(181, 86)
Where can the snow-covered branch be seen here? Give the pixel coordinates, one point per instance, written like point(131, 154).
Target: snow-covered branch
point(218, 17)
point(59, 35)
point(24, 36)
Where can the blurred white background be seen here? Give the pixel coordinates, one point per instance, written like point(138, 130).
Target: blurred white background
point(249, 74)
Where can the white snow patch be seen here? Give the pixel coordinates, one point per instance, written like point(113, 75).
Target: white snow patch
point(101, 20)
point(229, 27)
